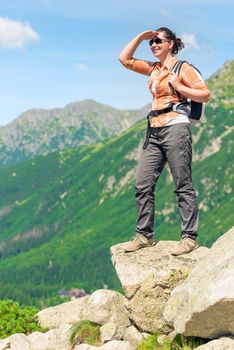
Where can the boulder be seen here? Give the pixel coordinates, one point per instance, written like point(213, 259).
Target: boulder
point(148, 276)
point(112, 345)
point(108, 332)
point(223, 343)
point(69, 312)
point(203, 305)
point(54, 339)
point(15, 342)
point(132, 336)
point(106, 306)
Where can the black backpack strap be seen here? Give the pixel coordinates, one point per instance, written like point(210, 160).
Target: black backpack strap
point(176, 69)
point(195, 68)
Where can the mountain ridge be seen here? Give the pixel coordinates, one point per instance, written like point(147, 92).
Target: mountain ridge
point(41, 131)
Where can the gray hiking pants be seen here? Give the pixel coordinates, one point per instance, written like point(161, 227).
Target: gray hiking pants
point(172, 144)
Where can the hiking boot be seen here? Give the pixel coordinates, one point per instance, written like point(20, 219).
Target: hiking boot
point(137, 242)
point(185, 246)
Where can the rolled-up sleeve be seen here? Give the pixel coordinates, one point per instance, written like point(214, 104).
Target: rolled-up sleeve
point(192, 78)
point(139, 66)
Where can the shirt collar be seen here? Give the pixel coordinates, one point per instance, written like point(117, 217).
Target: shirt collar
point(169, 64)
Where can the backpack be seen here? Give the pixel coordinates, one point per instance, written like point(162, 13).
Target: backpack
point(194, 110)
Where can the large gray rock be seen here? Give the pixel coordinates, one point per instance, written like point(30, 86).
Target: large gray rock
point(69, 312)
point(106, 306)
point(148, 276)
point(112, 345)
point(203, 305)
point(107, 332)
point(55, 339)
point(223, 343)
point(132, 336)
point(15, 342)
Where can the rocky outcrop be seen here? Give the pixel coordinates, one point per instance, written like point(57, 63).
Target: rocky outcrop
point(203, 305)
point(223, 343)
point(148, 276)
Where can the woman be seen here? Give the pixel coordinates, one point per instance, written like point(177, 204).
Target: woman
point(168, 137)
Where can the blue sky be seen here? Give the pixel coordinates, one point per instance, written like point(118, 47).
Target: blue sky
point(54, 52)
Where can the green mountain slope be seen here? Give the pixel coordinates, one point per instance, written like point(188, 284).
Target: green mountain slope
point(219, 113)
point(61, 212)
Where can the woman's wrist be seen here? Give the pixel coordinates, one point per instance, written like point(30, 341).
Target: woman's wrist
point(180, 88)
point(198, 95)
point(139, 38)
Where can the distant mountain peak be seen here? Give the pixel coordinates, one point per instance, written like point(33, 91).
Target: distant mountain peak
point(40, 131)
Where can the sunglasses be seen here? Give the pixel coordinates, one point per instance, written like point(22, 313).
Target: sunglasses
point(157, 41)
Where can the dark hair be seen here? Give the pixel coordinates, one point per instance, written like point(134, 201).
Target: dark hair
point(178, 43)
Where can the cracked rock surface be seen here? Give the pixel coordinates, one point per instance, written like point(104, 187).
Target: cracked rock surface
point(148, 276)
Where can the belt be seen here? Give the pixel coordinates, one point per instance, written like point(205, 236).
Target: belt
point(154, 113)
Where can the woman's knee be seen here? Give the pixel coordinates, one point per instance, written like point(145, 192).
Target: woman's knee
point(143, 186)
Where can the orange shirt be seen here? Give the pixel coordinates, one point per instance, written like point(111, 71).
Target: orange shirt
point(159, 87)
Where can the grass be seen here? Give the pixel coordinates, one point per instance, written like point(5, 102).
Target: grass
point(85, 332)
point(178, 343)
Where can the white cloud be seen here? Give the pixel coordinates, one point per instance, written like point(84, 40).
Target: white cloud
point(81, 66)
point(190, 40)
point(15, 34)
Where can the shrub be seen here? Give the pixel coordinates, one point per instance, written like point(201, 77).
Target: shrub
point(16, 319)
